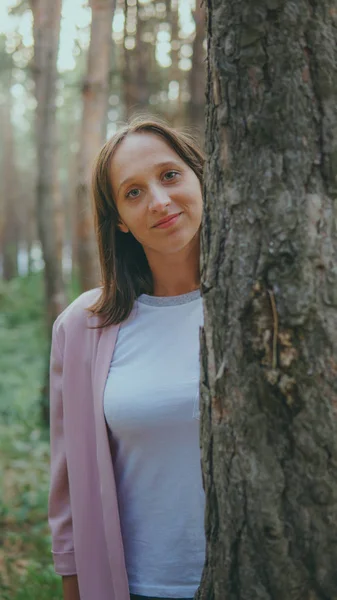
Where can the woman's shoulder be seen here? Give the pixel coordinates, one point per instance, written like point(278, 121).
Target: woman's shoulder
point(77, 315)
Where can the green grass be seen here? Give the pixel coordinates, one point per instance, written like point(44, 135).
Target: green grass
point(26, 571)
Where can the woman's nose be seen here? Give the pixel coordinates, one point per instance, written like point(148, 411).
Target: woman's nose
point(158, 199)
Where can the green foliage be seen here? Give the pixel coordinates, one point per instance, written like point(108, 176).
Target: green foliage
point(23, 348)
point(26, 571)
point(19, 8)
point(35, 584)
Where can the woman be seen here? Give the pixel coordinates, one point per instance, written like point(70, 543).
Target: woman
point(126, 500)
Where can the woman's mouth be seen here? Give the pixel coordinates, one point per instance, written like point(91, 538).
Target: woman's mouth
point(167, 222)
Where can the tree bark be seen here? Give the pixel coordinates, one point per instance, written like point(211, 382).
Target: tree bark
point(142, 91)
point(127, 71)
point(46, 31)
point(11, 228)
point(269, 282)
point(136, 68)
point(92, 135)
point(176, 108)
point(28, 218)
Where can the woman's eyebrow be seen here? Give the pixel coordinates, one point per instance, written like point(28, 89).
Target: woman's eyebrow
point(166, 163)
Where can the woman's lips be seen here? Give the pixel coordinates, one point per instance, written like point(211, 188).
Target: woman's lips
point(168, 223)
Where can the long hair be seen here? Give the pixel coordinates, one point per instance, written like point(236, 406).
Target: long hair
point(125, 271)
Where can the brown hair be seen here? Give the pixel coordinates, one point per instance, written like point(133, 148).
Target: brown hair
point(124, 267)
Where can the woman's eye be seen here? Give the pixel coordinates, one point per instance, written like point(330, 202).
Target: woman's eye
point(133, 193)
point(170, 175)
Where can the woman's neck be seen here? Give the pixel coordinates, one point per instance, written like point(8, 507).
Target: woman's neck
point(176, 274)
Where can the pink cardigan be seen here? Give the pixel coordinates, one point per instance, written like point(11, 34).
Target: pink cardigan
point(83, 507)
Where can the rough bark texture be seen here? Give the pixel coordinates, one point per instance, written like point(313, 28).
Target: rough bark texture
point(46, 30)
point(93, 133)
point(269, 281)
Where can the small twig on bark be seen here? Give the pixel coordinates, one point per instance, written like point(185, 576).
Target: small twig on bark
point(275, 333)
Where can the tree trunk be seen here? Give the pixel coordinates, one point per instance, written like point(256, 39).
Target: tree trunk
point(71, 234)
point(136, 66)
point(10, 241)
point(176, 107)
point(197, 74)
point(142, 91)
point(269, 282)
point(46, 31)
point(127, 71)
point(28, 218)
point(92, 135)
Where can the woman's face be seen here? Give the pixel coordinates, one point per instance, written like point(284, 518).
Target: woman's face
point(152, 184)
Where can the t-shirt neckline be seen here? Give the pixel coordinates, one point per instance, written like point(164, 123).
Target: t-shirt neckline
point(169, 300)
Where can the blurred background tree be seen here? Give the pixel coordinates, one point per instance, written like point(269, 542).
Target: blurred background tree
point(63, 91)
point(46, 33)
point(95, 101)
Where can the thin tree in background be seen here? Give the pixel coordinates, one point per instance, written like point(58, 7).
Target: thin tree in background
point(10, 228)
point(135, 70)
point(46, 32)
point(269, 281)
point(27, 214)
point(126, 74)
point(196, 109)
point(175, 72)
point(142, 62)
point(93, 132)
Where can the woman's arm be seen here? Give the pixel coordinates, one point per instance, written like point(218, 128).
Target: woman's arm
point(59, 509)
point(70, 588)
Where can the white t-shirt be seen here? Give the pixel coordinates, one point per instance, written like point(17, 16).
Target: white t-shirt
point(151, 404)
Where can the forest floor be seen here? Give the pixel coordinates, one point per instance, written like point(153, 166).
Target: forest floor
point(26, 571)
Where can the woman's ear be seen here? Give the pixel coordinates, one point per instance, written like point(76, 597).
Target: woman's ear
point(122, 227)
